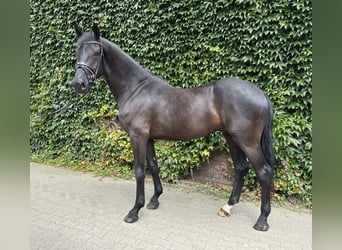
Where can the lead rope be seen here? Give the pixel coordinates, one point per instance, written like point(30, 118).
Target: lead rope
point(56, 113)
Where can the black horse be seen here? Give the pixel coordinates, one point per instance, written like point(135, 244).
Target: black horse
point(149, 109)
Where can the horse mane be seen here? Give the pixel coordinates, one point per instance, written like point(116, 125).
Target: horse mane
point(126, 56)
point(89, 36)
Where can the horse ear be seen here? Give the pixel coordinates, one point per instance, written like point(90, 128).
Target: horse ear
point(78, 30)
point(96, 31)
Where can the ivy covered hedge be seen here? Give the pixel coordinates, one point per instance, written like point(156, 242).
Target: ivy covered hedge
point(189, 43)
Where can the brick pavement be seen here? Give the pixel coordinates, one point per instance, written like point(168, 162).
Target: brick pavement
point(73, 210)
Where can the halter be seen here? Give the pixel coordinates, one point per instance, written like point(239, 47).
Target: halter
point(86, 68)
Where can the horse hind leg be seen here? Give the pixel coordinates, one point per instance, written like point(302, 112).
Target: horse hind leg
point(264, 174)
point(240, 170)
point(158, 189)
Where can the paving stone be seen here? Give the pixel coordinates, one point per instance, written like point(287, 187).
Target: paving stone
point(73, 210)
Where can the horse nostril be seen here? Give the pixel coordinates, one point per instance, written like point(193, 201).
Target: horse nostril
point(83, 85)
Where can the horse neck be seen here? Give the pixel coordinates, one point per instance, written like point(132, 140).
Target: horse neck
point(121, 72)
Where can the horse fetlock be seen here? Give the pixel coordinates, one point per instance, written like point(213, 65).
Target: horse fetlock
point(140, 203)
point(159, 191)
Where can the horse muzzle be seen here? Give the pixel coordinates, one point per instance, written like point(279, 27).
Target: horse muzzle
point(81, 86)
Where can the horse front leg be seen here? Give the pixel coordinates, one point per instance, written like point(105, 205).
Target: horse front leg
point(158, 189)
point(139, 144)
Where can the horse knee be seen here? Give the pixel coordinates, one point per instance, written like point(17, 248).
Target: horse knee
point(140, 174)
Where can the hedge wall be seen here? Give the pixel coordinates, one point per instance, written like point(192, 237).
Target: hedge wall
point(189, 43)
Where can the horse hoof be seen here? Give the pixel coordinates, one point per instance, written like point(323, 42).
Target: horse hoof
point(261, 226)
point(153, 205)
point(130, 219)
point(223, 213)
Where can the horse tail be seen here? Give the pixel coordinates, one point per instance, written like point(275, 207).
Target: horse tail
point(267, 137)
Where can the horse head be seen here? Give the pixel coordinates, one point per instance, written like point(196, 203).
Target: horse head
point(89, 59)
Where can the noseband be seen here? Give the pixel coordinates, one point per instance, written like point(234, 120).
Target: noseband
point(86, 68)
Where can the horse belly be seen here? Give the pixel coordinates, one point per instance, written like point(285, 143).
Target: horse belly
point(184, 128)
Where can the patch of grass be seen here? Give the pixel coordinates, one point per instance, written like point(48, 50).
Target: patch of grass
point(97, 168)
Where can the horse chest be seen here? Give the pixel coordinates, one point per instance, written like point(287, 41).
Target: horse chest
point(134, 120)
